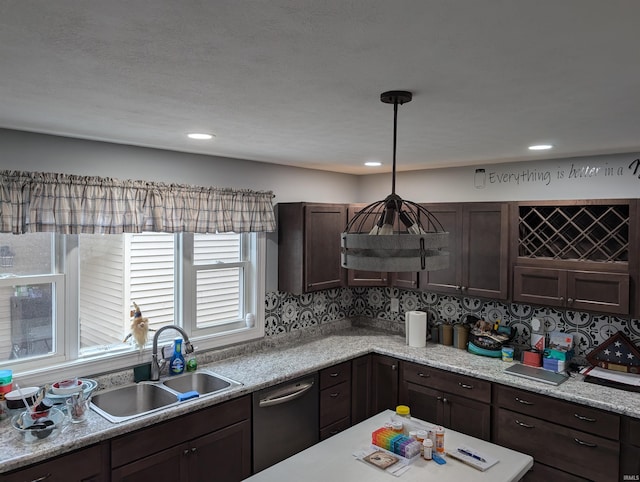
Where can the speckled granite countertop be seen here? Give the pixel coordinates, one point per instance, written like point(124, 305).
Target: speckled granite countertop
point(269, 366)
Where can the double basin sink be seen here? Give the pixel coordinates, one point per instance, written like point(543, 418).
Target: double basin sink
point(131, 401)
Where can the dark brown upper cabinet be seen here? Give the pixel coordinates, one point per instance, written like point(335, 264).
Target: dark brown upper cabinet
point(309, 246)
point(478, 250)
point(578, 255)
point(374, 278)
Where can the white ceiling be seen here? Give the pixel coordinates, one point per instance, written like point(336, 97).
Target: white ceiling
point(297, 82)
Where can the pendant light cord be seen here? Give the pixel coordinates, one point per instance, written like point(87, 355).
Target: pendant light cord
point(395, 135)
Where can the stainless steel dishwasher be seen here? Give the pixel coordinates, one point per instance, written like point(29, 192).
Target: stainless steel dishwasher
point(285, 420)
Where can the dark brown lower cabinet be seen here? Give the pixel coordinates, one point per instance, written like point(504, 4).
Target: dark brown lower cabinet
point(568, 440)
point(543, 473)
point(212, 442)
point(335, 399)
point(85, 465)
point(384, 387)
point(630, 449)
point(361, 389)
point(424, 390)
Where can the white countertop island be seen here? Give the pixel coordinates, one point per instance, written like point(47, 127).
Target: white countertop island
point(333, 460)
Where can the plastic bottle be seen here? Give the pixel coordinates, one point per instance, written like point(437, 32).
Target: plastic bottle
point(192, 363)
point(176, 365)
point(427, 448)
point(440, 440)
point(403, 415)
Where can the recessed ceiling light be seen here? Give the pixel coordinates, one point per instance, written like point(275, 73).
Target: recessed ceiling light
point(373, 163)
point(540, 147)
point(199, 136)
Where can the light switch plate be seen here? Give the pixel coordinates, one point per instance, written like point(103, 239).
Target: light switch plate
point(395, 305)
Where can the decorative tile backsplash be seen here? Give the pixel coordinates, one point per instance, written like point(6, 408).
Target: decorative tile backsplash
point(286, 313)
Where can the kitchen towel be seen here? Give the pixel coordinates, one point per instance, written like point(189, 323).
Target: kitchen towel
point(416, 328)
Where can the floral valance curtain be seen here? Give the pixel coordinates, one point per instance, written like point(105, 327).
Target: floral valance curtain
point(69, 204)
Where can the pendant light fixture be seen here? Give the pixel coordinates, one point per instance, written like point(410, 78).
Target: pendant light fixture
point(394, 235)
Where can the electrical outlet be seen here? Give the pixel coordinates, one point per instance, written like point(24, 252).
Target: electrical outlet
point(395, 305)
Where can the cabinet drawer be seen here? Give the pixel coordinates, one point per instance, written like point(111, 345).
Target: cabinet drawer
point(335, 374)
point(544, 473)
point(85, 464)
point(335, 403)
point(447, 382)
point(569, 450)
point(572, 415)
point(334, 428)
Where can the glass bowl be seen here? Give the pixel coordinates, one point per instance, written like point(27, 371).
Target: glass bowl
point(39, 426)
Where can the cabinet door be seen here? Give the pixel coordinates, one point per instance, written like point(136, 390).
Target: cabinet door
point(589, 290)
point(365, 278)
point(166, 466)
point(447, 280)
point(323, 225)
point(221, 455)
point(485, 250)
point(425, 402)
point(384, 392)
point(467, 416)
point(630, 449)
point(361, 389)
point(539, 286)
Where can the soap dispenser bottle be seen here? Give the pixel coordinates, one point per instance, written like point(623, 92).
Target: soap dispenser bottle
point(176, 365)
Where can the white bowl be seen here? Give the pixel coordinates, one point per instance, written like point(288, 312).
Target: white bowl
point(66, 387)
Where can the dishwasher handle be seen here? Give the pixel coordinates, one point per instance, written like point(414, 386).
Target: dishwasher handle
point(285, 394)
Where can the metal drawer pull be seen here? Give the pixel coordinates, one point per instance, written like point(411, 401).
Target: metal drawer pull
point(524, 424)
point(423, 375)
point(585, 419)
point(586, 444)
point(524, 402)
point(333, 375)
point(39, 479)
point(468, 387)
point(334, 394)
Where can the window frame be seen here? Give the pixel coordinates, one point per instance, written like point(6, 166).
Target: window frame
point(66, 362)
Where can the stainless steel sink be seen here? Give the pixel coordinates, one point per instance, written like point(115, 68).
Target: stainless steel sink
point(130, 401)
point(202, 382)
point(123, 403)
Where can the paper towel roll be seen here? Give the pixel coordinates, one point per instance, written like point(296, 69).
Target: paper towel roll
point(416, 328)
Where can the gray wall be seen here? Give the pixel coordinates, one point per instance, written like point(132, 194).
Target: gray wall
point(595, 177)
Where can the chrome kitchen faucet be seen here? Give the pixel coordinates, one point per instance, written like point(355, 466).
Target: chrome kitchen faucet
point(156, 367)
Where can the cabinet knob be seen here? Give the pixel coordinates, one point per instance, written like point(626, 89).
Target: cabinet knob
point(334, 395)
point(444, 400)
point(464, 385)
point(586, 444)
point(423, 375)
point(333, 375)
point(463, 288)
point(525, 425)
point(570, 301)
point(185, 452)
point(562, 298)
point(439, 398)
point(584, 419)
point(194, 450)
point(524, 402)
point(393, 367)
point(458, 287)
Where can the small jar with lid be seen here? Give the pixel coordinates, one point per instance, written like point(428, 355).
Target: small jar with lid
point(421, 436)
point(427, 448)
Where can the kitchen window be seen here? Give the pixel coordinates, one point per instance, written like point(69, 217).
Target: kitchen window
point(210, 284)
